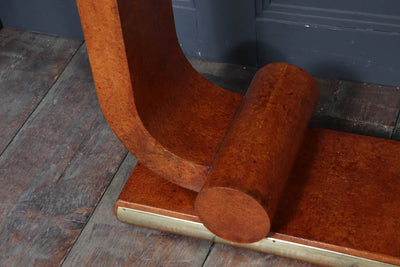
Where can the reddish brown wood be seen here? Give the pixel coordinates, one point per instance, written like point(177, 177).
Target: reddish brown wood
point(148, 191)
point(250, 171)
point(340, 196)
point(175, 121)
point(344, 190)
point(169, 116)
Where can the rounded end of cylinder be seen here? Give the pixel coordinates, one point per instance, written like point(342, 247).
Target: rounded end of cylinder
point(232, 215)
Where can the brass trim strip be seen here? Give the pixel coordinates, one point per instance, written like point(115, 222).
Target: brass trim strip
point(268, 245)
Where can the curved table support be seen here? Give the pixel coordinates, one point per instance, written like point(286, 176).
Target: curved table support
point(232, 163)
point(169, 116)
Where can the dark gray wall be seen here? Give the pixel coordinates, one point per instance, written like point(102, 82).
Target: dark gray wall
point(355, 40)
point(222, 30)
point(58, 17)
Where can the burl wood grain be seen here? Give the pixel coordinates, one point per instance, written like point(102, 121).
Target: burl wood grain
point(149, 190)
point(344, 190)
point(342, 195)
point(161, 109)
point(175, 121)
point(243, 188)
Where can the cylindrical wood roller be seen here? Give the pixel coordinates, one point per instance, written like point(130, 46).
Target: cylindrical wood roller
point(246, 180)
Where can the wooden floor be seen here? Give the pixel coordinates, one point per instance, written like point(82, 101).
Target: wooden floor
point(61, 167)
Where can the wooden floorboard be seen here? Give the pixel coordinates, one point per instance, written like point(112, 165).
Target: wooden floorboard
point(29, 64)
point(356, 107)
point(396, 132)
point(107, 242)
point(60, 156)
point(228, 76)
point(223, 255)
point(55, 171)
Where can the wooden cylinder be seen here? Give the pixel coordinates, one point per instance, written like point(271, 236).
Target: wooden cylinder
point(249, 173)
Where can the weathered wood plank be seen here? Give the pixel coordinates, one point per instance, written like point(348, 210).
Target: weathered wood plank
point(396, 132)
point(232, 77)
point(107, 242)
point(223, 255)
point(55, 170)
point(29, 64)
point(357, 107)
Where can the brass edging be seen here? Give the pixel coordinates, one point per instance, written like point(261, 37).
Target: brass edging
point(268, 245)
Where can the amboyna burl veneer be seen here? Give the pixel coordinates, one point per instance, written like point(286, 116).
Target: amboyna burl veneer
point(246, 170)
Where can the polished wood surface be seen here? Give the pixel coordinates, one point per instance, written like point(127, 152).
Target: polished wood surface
point(183, 128)
point(337, 197)
point(161, 109)
point(344, 190)
point(177, 119)
point(246, 180)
